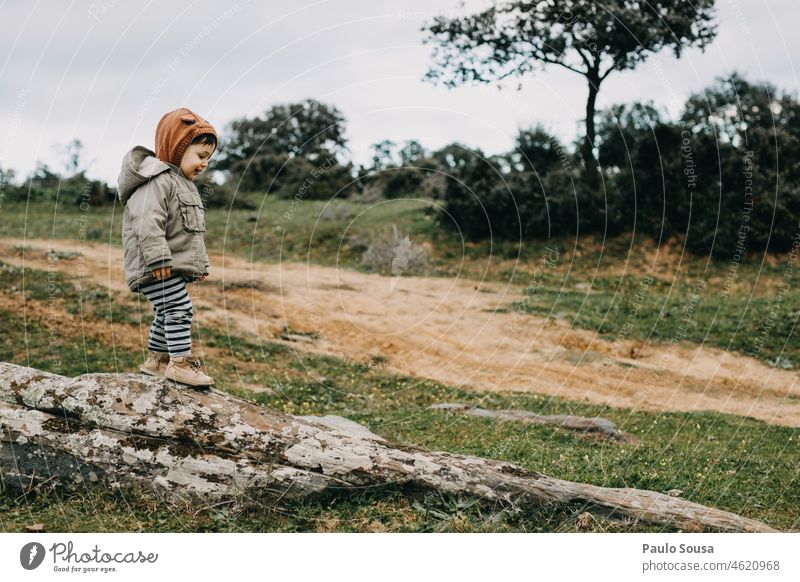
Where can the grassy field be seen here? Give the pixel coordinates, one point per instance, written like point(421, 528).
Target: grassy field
point(733, 463)
point(729, 462)
point(314, 230)
point(594, 285)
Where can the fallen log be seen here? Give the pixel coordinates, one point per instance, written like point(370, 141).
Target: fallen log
point(596, 426)
point(185, 445)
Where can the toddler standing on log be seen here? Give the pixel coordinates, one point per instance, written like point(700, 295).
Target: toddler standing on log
point(162, 237)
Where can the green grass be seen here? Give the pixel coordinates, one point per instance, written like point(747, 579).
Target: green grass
point(44, 344)
point(266, 233)
point(657, 310)
point(382, 510)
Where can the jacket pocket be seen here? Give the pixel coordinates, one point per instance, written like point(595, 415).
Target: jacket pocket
point(192, 213)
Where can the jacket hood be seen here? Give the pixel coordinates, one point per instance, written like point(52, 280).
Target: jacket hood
point(175, 133)
point(138, 166)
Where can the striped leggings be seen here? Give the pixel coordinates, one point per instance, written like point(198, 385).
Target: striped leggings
point(172, 327)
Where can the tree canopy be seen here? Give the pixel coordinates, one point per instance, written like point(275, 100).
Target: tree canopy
point(587, 37)
point(309, 128)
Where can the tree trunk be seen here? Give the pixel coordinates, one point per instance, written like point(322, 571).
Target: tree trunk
point(181, 444)
point(591, 167)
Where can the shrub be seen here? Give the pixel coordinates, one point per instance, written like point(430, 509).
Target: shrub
point(321, 178)
point(391, 253)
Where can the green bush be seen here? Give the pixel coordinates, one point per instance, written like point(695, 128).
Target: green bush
point(44, 185)
point(493, 197)
point(288, 176)
point(424, 177)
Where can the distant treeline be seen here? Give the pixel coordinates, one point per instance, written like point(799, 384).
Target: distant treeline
point(725, 175)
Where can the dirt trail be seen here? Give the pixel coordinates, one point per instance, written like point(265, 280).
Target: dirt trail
point(449, 330)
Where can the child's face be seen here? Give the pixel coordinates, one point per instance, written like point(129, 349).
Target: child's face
point(195, 159)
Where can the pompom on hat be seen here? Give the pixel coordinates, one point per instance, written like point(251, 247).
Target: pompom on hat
point(175, 132)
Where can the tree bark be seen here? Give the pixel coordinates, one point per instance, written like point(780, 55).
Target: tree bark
point(591, 167)
point(185, 445)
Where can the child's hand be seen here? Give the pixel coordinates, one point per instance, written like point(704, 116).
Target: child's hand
point(162, 273)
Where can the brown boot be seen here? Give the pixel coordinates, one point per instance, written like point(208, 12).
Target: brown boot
point(156, 364)
point(187, 370)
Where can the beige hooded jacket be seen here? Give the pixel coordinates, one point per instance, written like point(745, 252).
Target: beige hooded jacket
point(163, 222)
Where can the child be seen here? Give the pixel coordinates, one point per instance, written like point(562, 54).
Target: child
point(162, 237)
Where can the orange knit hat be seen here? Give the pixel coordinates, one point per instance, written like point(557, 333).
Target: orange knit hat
point(175, 132)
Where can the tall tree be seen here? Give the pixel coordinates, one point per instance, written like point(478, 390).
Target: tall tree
point(588, 37)
point(311, 129)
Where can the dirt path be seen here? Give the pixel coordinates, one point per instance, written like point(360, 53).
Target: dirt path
point(449, 330)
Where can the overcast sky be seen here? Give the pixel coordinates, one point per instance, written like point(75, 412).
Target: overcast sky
point(105, 71)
